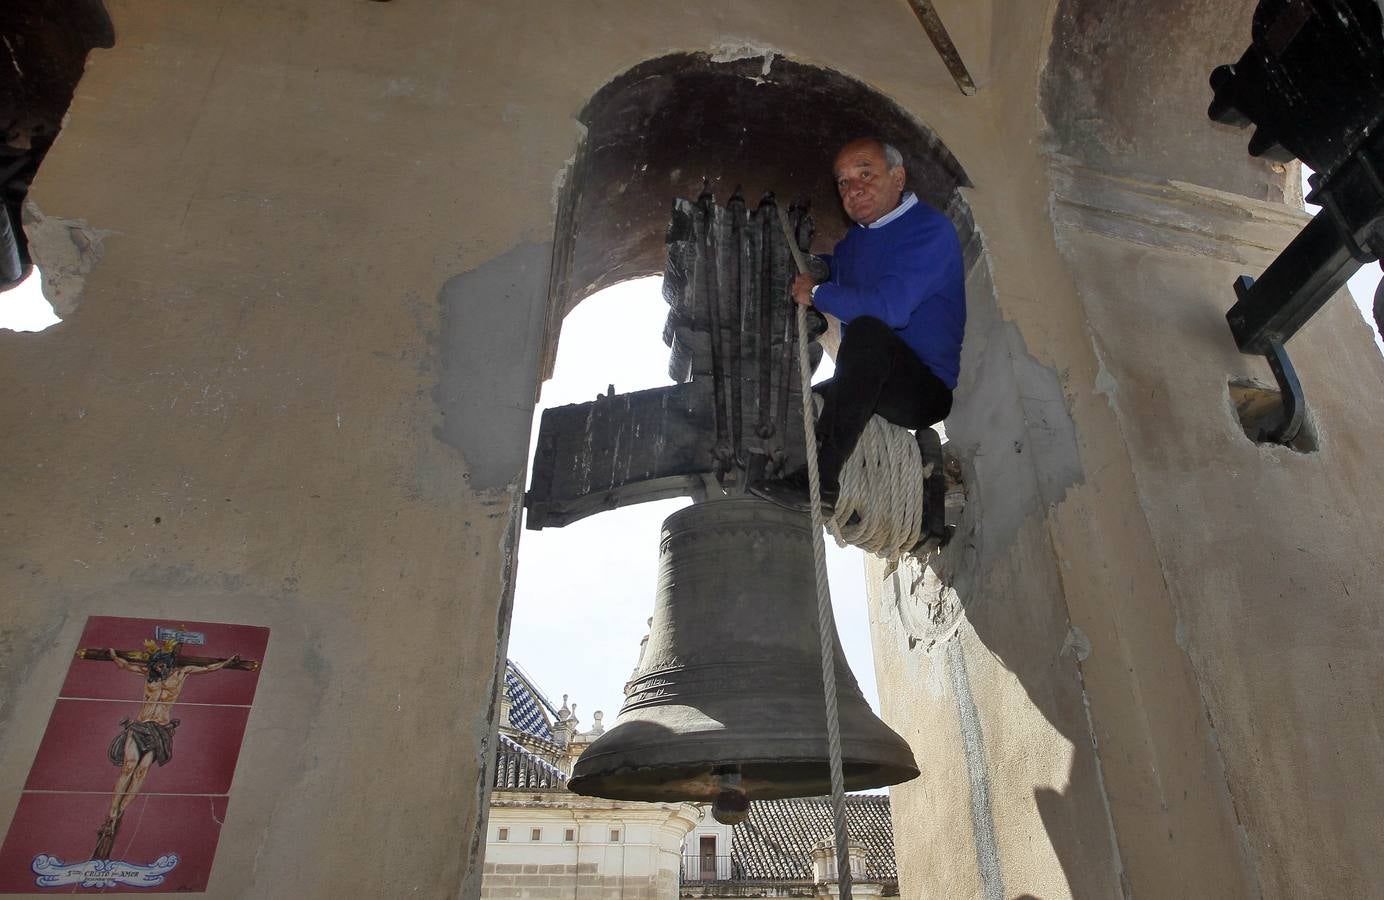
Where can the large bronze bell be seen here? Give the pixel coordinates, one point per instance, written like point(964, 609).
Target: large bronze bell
point(727, 704)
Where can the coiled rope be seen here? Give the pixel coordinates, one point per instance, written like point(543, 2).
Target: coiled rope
point(880, 505)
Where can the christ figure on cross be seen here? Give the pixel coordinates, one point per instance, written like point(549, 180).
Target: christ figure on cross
point(148, 738)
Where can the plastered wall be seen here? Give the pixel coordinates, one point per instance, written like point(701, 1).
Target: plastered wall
point(1119, 696)
point(312, 240)
point(303, 333)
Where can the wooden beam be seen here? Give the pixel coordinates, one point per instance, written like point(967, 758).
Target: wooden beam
point(937, 32)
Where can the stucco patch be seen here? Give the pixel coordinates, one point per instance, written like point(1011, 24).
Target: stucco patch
point(1051, 433)
point(65, 251)
point(977, 775)
point(1105, 383)
point(492, 322)
point(927, 605)
point(21, 647)
point(732, 49)
point(1015, 437)
point(1076, 644)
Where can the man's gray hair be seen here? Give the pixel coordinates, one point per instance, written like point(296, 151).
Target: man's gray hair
point(892, 155)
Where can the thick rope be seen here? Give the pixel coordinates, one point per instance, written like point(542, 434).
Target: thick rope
point(882, 485)
point(826, 626)
point(880, 506)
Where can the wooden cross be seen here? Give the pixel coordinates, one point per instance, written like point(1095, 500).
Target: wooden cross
point(103, 654)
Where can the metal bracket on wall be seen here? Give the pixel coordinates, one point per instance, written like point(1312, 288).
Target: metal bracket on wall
point(1289, 387)
point(937, 33)
point(1294, 403)
point(1312, 84)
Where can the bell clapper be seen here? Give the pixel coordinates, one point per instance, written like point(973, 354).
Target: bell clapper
point(731, 806)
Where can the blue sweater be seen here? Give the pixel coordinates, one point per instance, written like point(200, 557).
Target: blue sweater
point(908, 274)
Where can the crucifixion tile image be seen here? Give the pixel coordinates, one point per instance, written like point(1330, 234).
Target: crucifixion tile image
point(131, 783)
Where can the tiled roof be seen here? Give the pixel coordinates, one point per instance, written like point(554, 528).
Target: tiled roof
point(526, 705)
point(776, 841)
point(517, 768)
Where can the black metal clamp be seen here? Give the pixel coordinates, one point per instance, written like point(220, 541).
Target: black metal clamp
point(1312, 82)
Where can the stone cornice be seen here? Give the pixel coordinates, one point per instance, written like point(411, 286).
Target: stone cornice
point(589, 807)
point(1172, 215)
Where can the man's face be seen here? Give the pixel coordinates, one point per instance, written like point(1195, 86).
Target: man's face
point(868, 187)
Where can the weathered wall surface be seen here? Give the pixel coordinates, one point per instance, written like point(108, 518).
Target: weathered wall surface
point(1243, 533)
point(1267, 554)
point(1125, 90)
point(242, 418)
point(1155, 560)
point(1064, 725)
point(306, 344)
point(235, 424)
point(294, 385)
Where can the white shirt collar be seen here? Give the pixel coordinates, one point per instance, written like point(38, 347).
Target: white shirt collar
point(908, 202)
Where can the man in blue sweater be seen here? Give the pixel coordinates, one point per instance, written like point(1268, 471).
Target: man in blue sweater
point(897, 284)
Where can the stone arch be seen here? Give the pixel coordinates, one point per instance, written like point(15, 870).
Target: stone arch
point(666, 126)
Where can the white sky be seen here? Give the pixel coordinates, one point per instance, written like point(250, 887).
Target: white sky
point(24, 308)
point(585, 592)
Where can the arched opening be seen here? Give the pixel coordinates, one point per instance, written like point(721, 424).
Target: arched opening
point(669, 125)
point(669, 129)
point(660, 131)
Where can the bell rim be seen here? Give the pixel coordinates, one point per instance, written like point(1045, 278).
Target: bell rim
point(691, 783)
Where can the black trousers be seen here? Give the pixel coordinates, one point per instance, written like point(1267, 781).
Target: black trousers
point(876, 373)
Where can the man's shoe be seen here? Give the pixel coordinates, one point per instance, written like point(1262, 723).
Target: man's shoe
point(793, 491)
